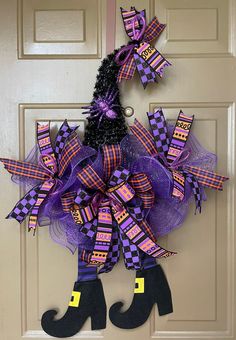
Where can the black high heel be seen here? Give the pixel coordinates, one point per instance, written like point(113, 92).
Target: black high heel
point(151, 287)
point(87, 300)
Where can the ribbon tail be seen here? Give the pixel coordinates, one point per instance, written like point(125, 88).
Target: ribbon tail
point(42, 194)
point(129, 16)
point(196, 191)
point(138, 237)
point(103, 236)
point(113, 255)
point(153, 58)
point(147, 75)
point(180, 136)
point(148, 231)
point(153, 30)
point(25, 169)
point(159, 131)
point(89, 229)
point(178, 185)
point(130, 252)
point(207, 178)
point(24, 206)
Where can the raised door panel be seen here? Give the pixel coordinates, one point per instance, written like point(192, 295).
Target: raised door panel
point(194, 29)
point(60, 29)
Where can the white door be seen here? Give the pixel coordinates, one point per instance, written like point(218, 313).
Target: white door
point(49, 55)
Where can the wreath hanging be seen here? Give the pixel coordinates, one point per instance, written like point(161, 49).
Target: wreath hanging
point(117, 191)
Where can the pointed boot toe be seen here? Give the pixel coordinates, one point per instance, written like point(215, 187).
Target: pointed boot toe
point(87, 300)
point(116, 307)
point(126, 319)
point(49, 315)
point(151, 288)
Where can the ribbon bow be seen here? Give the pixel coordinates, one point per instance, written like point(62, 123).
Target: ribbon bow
point(139, 53)
point(171, 152)
point(48, 173)
point(114, 213)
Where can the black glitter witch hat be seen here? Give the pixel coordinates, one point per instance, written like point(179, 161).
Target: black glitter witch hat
point(106, 122)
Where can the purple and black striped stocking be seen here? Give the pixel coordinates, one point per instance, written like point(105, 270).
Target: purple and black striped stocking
point(85, 273)
point(148, 261)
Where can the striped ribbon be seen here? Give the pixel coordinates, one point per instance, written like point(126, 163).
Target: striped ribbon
point(140, 54)
point(51, 163)
point(173, 154)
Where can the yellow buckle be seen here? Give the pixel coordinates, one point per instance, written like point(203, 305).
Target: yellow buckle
point(75, 298)
point(140, 282)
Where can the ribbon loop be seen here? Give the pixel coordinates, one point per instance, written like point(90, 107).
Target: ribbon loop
point(67, 201)
point(124, 54)
point(143, 188)
point(90, 179)
point(134, 23)
point(122, 192)
point(112, 158)
point(139, 53)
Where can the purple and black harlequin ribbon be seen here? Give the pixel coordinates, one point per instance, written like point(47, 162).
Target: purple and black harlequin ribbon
point(49, 171)
point(172, 153)
point(139, 53)
point(113, 215)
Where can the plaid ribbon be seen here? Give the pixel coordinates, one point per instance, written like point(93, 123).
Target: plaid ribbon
point(172, 153)
point(207, 178)
point(111, 212)
point(139, 53)
point(49, 171)
point(111, 159)
point(143, 189)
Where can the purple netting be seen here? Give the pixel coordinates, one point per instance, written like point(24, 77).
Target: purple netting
point(168, 213)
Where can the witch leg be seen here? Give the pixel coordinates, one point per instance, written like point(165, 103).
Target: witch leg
point(151, 287)
point(87, 300)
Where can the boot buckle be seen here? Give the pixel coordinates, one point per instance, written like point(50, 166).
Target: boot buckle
point(75, 298)
point(139, 285)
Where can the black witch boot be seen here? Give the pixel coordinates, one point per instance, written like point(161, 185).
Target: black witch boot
point(87, 300)
point(151, 287)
